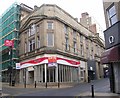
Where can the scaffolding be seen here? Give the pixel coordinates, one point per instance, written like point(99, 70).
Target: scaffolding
point(9, 29)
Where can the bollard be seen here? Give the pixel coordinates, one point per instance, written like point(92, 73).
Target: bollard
point(13, 82)
point(35, 84)
point(25, 85)
point(58, 84)
point(92, 89)
point(46, 85)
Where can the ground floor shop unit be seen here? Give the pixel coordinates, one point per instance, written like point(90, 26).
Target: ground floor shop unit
point(52, 69)
point(43, 74)
point(111, 57)
point(95, 69)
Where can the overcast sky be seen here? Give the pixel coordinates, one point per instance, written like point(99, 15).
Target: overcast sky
point(73, 7)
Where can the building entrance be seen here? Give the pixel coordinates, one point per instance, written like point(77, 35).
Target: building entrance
point(91, 75)
point(31, 77)
point(51, 74)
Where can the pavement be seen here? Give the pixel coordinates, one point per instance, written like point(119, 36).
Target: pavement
point(19, 89)
point(98, 94)
point(33, 86)
point(99, 90)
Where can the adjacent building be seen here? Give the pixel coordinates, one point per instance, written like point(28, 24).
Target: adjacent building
point(88, 23)
point(54, 47)
point(9, 30)
point(111, 56)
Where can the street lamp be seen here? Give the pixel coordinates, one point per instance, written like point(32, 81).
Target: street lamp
point(58, 77)
point(10, 44)
point(11, 70)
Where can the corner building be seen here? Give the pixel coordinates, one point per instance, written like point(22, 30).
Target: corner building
point(54, 47)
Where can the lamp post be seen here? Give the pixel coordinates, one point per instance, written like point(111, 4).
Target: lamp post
point(58, 77)
point(11, 68)
point(10, 44)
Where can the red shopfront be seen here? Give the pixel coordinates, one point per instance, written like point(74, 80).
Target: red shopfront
point(50, 69)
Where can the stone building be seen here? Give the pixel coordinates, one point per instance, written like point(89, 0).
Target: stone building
point(55, 47)
point(49, 44)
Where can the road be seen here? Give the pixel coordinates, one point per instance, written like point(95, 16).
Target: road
point(101, 86)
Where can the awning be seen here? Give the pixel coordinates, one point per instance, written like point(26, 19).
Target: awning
point(111, 55)
point(47, 60)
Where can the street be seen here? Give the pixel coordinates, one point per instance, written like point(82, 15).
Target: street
point(100, 86)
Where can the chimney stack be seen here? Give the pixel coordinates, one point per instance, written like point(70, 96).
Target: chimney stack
point(36, 7)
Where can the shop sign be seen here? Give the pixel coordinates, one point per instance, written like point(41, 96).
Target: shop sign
point(18, 66)
point(9, 43)
point(111, 39)
point(52, 61)
point(52, 64)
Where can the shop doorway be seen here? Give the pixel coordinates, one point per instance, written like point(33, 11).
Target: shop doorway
point(91, 75)
point(31, 77)
point(51, 74)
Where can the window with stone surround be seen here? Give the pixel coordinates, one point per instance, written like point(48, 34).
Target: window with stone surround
point(111, 13)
